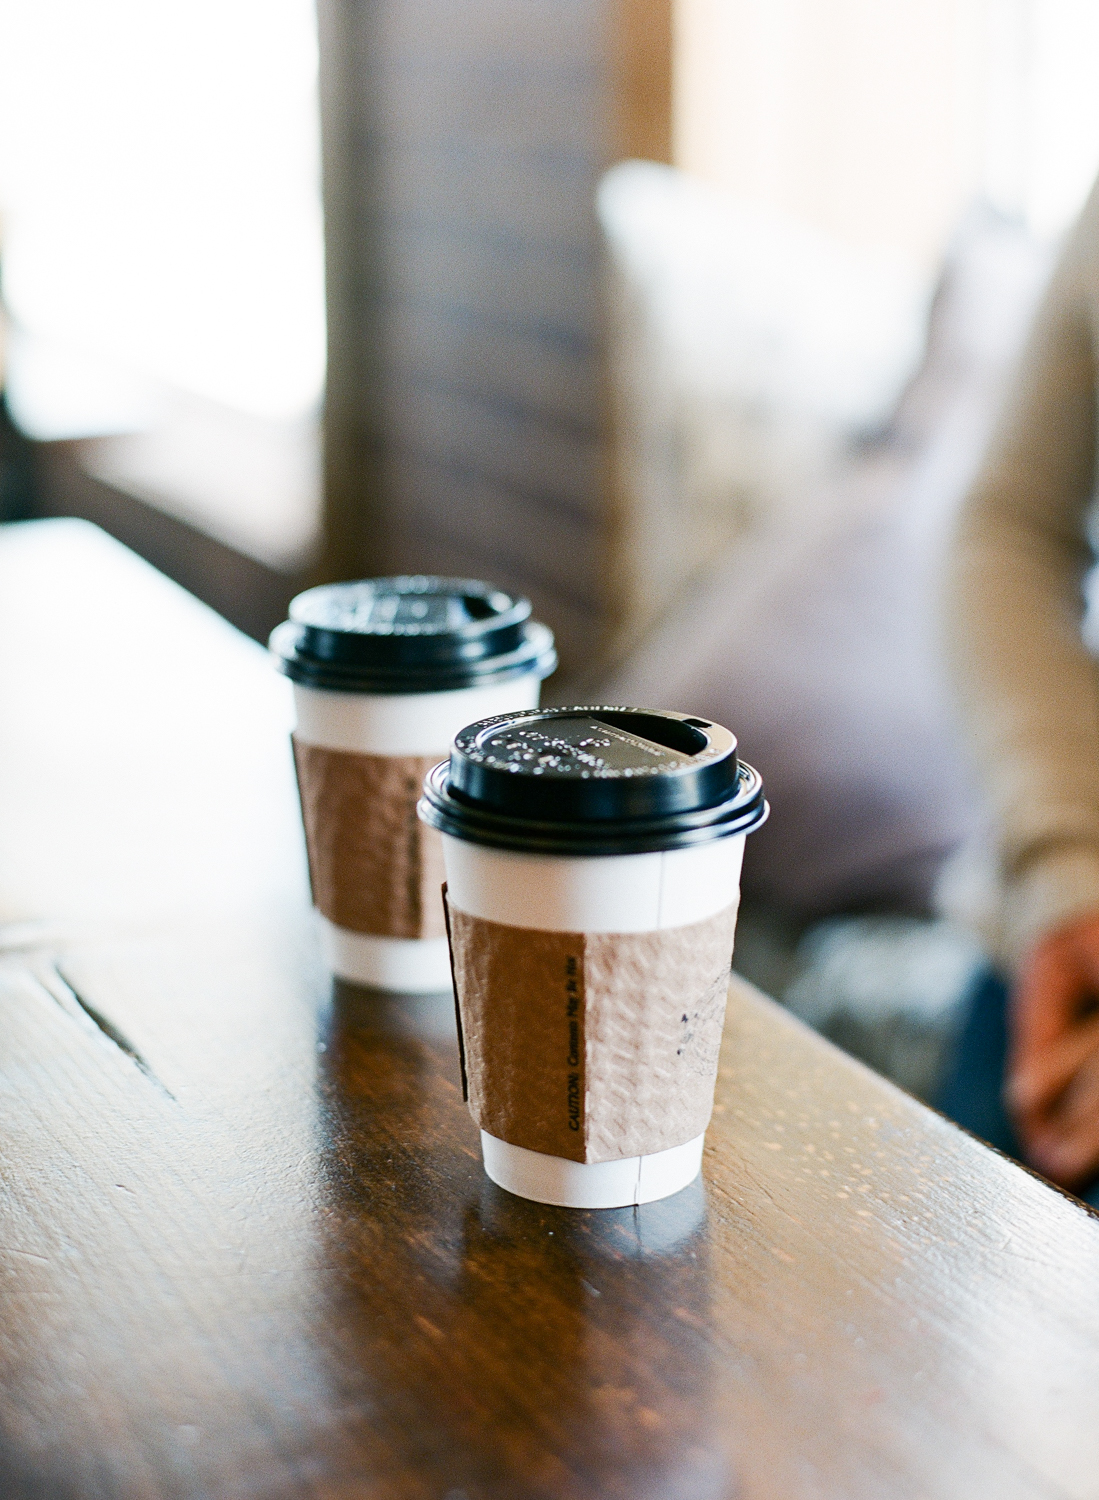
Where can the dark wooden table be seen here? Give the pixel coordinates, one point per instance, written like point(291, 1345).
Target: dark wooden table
point(247, 1248)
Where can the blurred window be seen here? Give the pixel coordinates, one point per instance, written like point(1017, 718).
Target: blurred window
point(160, 203)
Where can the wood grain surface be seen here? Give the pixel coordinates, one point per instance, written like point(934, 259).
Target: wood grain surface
point(247, 1248)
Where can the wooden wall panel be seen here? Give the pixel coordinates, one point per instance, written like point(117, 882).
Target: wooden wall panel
point(642, 46)
point(463, 142)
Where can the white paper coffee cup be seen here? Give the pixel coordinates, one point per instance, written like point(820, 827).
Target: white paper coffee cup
point(385, 673)
point(625, 893)
point(593, 864)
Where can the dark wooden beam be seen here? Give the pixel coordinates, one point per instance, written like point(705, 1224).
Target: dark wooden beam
point(354, 507)
point(641, 47)
point(465, 423)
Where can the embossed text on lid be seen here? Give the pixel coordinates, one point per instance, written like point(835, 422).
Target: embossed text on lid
point(414, 605)
point(409, 634)
point(588, 744)
point(593, 779)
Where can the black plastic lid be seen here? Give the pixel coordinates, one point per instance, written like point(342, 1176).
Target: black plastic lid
point(593, 781)
point(410, 635)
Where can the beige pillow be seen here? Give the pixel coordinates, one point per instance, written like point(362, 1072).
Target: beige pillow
point(816, 640)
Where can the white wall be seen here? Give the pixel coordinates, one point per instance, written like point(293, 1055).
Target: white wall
point(880, 121)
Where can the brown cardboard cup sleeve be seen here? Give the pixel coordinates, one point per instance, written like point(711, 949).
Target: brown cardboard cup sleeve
point(373, 866)
point(591, 1046)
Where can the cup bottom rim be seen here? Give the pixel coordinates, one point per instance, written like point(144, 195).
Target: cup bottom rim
point(553, 1180)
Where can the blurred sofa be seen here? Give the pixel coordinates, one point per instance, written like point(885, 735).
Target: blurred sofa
point(795, 426)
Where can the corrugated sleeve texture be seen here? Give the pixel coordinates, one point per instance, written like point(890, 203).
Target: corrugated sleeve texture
point(592, 1046)
point(374, 867)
